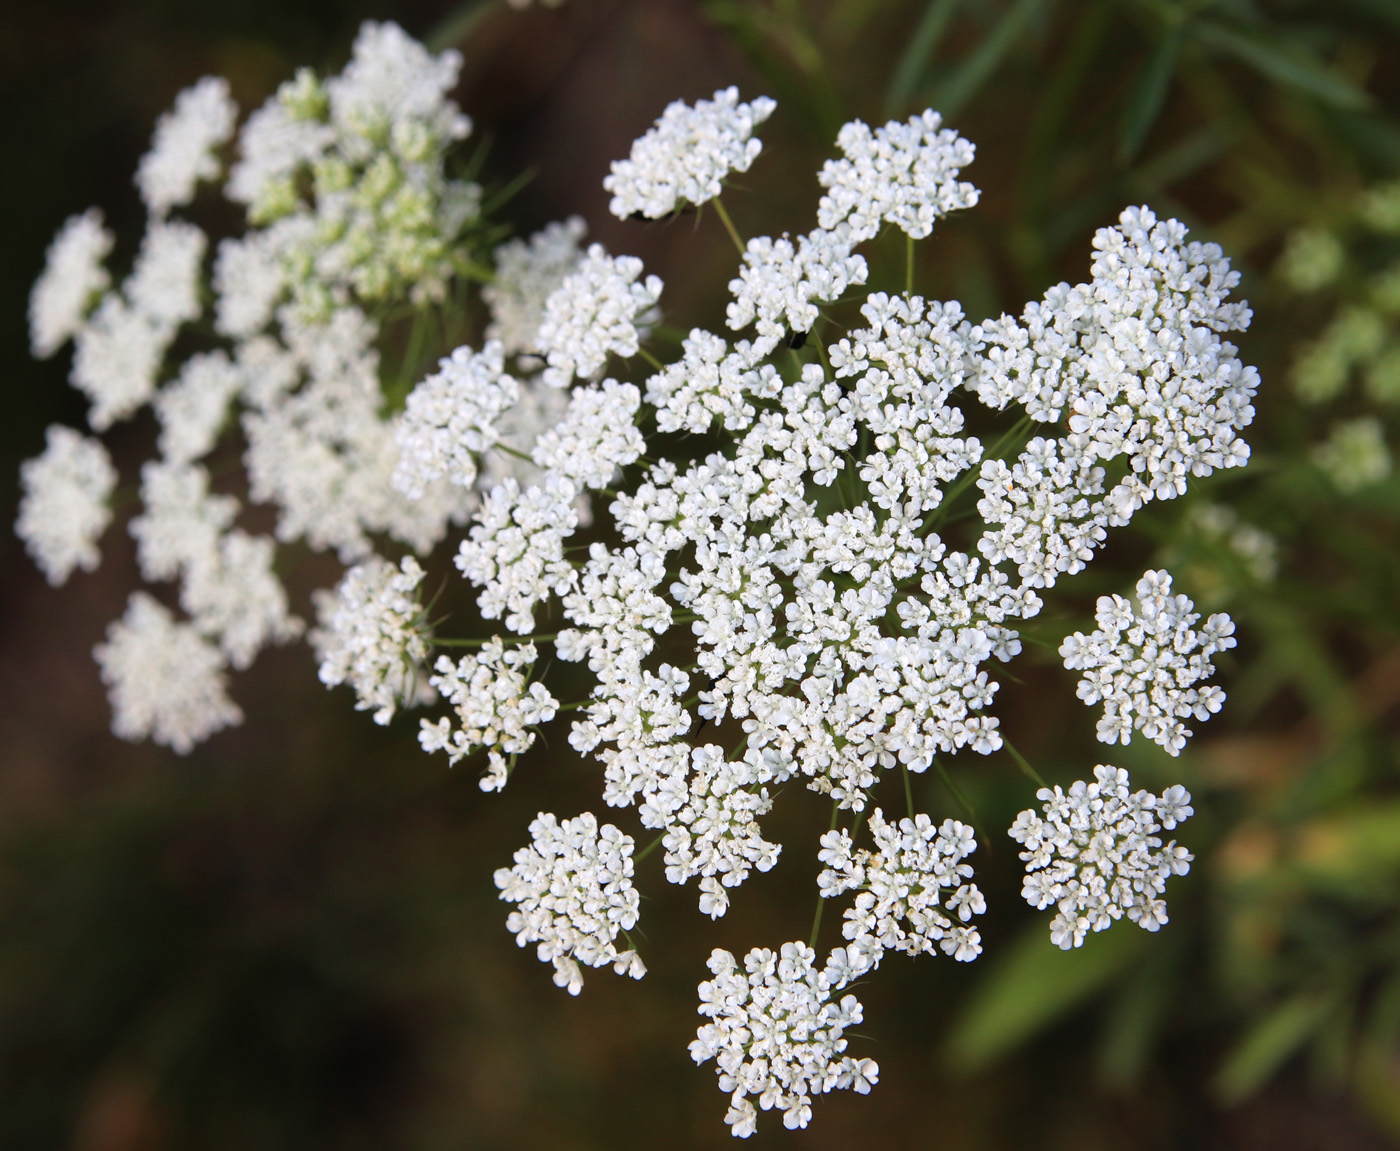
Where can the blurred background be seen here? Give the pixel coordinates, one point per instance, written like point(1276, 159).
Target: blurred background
point(291, 939)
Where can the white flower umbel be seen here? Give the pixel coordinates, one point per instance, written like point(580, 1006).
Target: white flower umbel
point(574, 894)
point(235, 598)
point(515, 552)
point(495, 707)
point(1144, 663)
point(685, 157)
point(182, 150)
point(72, 279)
point(914, 875)
point(192, 409)
point(903, 174)
point(594, 313)
point(64, 508)
point(164, 681)
point(776, 1035)
point(1096, 855)
point(180, 522)
point(116, 360)
point(597, 435)
point(373, 635)
point(452, 417)
point(779, 286)
point(164, 284)
point(527, 272)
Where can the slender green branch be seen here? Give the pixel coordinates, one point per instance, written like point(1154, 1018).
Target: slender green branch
point(908, 791)
point(648, 849)
point(821, 900)
point(1023, 763)
point(729, 227)
point(652, 360)
point(908, 265)
point(510, 451)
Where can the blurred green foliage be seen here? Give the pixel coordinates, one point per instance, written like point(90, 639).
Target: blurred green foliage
point(292, 939)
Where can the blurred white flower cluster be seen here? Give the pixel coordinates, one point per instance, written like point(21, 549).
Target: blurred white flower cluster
point(779, 556)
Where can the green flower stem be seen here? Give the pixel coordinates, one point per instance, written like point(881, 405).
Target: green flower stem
point(649, 848)
point(908, 265)
point(1023, 763)
point(729, 227)
point(908, 791)
point(652, 360)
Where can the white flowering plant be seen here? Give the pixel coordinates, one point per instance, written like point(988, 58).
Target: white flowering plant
point(781, 552)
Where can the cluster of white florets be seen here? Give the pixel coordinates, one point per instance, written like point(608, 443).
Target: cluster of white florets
point(1144, 663)
point(777, 1035)
point(166, 682)
point(64, 508)
point(495, 706)
point(574, 895)
point(183, 150)
point(685, 156)
point(794, 564)
point(906, 884)
point(1096, 855)
point(527, 272)
point(452, 418)
point(901, 174)
point(595, 312)
point(374, 635)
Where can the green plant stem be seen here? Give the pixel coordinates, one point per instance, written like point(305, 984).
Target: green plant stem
point(648, 849)
point(729, 227)
point(908, 791)
point(908, 265)
point(821, 901)
point(652, 360)
point(1023, 763)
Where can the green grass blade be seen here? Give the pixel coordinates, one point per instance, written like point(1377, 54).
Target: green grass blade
point(909, 75)
point(1282, 62)
point(1148, 95)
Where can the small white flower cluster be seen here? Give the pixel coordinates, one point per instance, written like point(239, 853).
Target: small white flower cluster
point(594, 312)
point(166, 682)
point(914, 874)
point(777, 1036)
point(72, 279)
point(64, 507)
point(527, 273)
point(1096, 855)
point(374, 635)
point(494, 707)
point(182, 150)
point(685, 156)
point(901, 174)
point(452, 417)
point(1144, 664)
point(574, 894)
point(1135, 358)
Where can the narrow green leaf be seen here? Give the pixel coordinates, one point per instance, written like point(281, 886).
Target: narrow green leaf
point(909, 74)
point(977, 69)
point(1032, 985)
point(459, 24)
point(1268, 1044)
point(1148, 95)
point(1286, 63)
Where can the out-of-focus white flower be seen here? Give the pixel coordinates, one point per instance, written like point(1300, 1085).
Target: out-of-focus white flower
point(164, 681)
point(72, 279)
point(1355, 454)
point(182, 150)
point(64, 507)
point(527, 273)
